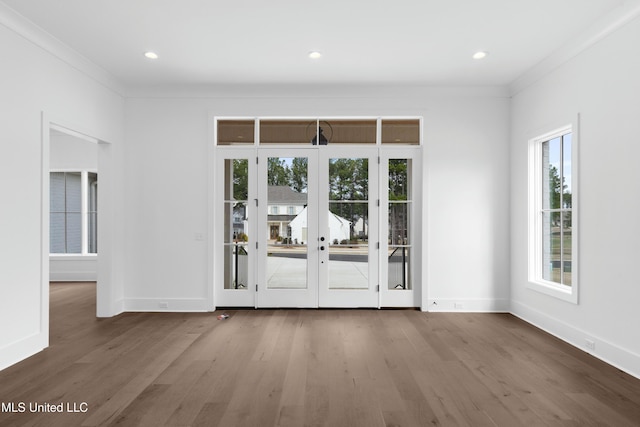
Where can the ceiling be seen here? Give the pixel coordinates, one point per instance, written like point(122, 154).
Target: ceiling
point(204, 42)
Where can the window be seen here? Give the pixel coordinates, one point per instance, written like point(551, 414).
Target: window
point(274, 210)
point(246, 131)
point(398, 239)
point(73, 213)
point(553, 236)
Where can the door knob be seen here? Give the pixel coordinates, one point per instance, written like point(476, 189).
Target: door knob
point(322, 248)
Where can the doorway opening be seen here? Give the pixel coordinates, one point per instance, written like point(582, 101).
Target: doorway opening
point(73, 208)
point(74, 220)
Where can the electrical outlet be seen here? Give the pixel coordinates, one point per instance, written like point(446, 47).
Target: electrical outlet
point(164, 305)
point(591, 345)
point(457, 305)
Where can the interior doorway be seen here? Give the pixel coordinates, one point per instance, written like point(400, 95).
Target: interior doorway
point(73, 207)
point(99, 204)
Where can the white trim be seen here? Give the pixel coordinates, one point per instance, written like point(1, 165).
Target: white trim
point(45, 162)
point(606, 351)
point(469, 305)
point(415, 93)
point(19, 350)
point(535, 281)
point(42, 39)
point(74, 133)
point(172, 305)
point(73, 276)
point(73, 268)
point(211, 220)
point(606, 25)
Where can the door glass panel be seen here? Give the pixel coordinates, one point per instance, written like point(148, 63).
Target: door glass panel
point(236, 224)
point(404, 132)
point(399, 222)
point(349, 131)
point(299, 132)
point(287, 244)
point(348, 220)
point(235, 132)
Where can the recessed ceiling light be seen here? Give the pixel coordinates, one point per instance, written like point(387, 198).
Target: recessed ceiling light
point(315, 54)
point(479, 55)
point(151, 55)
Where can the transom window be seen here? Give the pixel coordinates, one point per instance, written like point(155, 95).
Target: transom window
point(553, 236)
point(318, 131)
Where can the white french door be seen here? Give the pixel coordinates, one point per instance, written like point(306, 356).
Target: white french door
point(288, 249)
point(348, 220)
point(316, 228)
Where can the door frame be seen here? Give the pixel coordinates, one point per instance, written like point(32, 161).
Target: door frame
point(416, 297)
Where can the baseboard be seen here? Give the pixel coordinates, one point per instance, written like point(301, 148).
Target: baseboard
point(604, 350)
point(22, 349)
point(471, 305)
point(166, 304)
point(73, 276)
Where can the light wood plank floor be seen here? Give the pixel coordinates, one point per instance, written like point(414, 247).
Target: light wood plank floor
point(310, 368)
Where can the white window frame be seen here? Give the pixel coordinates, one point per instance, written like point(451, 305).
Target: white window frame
point(84, 180)
point(536, 281)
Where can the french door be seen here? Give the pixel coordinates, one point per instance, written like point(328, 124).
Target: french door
point(317, 227)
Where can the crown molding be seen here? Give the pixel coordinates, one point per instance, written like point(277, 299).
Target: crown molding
point(42, 39)
point(317, 91)
point(600, 29)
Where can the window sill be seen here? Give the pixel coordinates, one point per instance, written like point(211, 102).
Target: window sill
point(565, 293)
point(73, 257)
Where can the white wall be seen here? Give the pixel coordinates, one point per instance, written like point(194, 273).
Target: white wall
point(70, 153)
point(602, 85)
point(32, 83)
point(466, 158)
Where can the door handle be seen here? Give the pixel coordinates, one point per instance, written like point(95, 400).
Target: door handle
point(322, 248)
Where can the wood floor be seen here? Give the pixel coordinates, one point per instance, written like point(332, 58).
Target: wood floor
point(309, 368)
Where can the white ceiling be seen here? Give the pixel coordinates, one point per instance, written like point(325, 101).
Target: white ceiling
point(204, 42)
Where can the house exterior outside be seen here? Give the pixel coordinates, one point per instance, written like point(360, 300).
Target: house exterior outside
point(287, 217)
point(339, 228)
point(284, 205)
